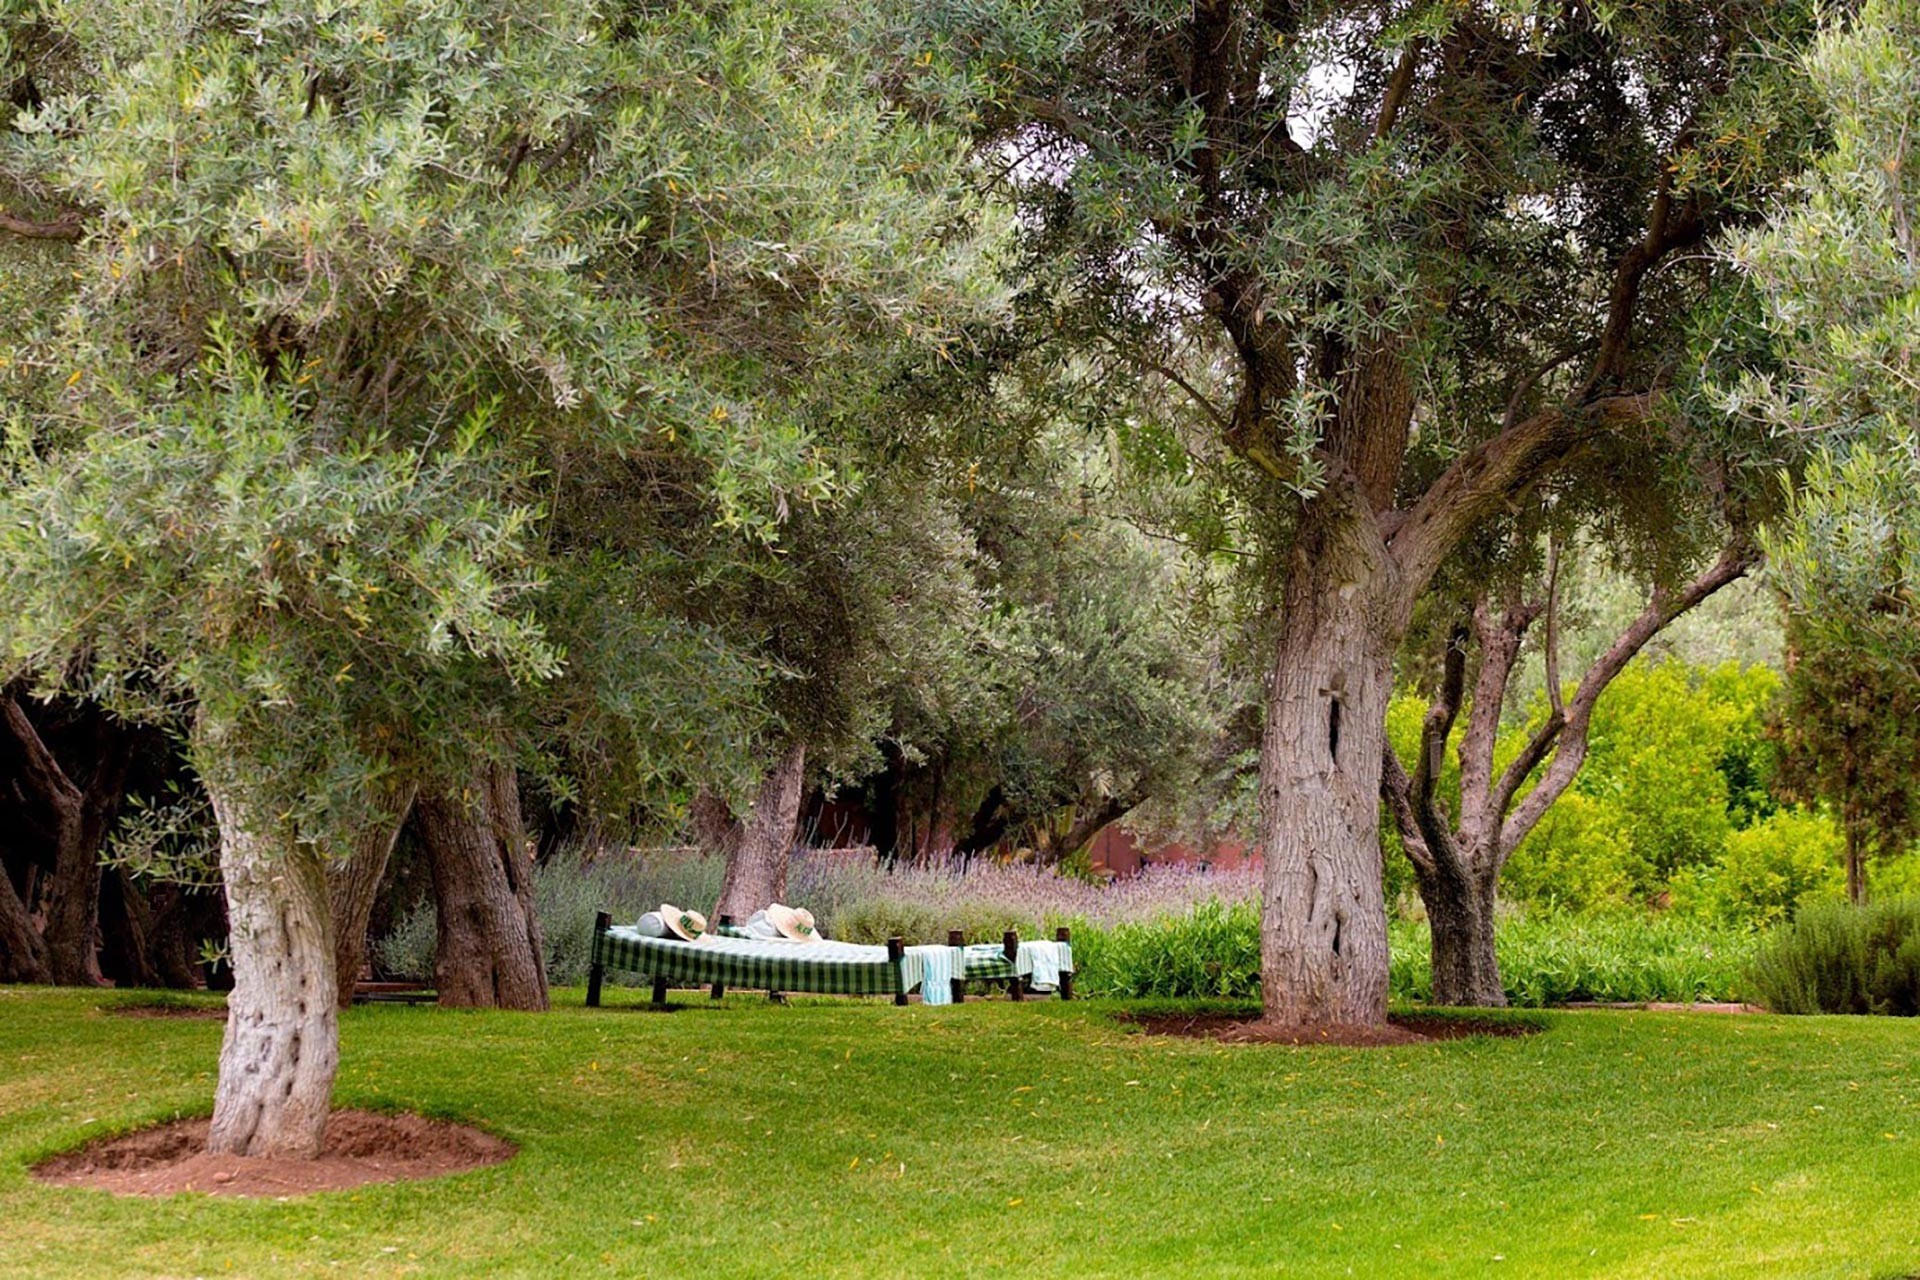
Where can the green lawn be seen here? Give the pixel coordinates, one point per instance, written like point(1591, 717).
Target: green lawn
point(842, 1138)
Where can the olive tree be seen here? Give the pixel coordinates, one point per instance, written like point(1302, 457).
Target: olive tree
point(349, 295)
point(1838, 276)
point(1407, 259)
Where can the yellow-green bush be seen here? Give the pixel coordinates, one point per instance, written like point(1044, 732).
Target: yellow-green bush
point(1768, 871)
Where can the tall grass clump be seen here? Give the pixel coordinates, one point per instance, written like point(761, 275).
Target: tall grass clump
point(1211, 950)
point(1551, 958)
point(1841, 958)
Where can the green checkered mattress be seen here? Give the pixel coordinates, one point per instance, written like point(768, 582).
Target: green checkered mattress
point(825, 968)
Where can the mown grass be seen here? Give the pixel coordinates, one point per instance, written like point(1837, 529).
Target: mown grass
point(1043, 1139)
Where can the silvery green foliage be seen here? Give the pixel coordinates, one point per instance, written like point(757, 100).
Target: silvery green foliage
point(1839, 277)
point(364, 289)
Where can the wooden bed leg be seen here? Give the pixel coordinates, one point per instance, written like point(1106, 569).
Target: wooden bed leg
point(719, 991)
point(659, 993)
point(897, 948)
point(597, 972)
point(956, 939)
point(1064, 934)
point(1010, 944)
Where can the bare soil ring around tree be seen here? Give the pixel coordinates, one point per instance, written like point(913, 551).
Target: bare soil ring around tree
point(361, 1147)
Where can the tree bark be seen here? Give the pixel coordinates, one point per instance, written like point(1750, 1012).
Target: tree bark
point(73, 897)
point(990, 822)
point(490, 954)
point(353, 885)
point(79, 819)
point(23, 956)
point(1323, 952)
point(282, 1045)
point(715, 829)
point(1856, 861)
point(1459, 902)
point(757, 865)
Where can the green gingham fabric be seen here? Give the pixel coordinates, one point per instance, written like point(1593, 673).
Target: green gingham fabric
point(823, 968)
point(1039, 959)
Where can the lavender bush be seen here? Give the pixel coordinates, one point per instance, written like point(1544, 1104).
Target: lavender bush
point(861, 901)
point(1171, 931)
point(568, 889)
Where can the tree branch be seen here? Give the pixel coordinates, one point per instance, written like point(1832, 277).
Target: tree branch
point(1414, 802)
point(42, 769)
point(1552, 654)
point(1437, 726)
point(1214, 412)
point(1571, 750)
point(1532, 380)
point(1398, 86)
point(1397, 790)
point(1668, 229)
point(64, 228)
point(1499, 633)
point(1488, 475)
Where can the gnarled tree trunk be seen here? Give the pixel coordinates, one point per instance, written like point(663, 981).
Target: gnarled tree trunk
point(490, 954)
point(1459, 901)
point(353, 885)
point(1075, 828)
point(1323, 936)
point(78, 818)
point(989, 825)
point(144, 932)
point(23, 956)
point(762, 846)
point(282, 1045)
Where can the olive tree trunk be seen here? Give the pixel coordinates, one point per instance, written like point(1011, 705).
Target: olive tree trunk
point(762, 845)
point(1460, 903)
point(1856, 860)
point(23, 956)
point(1457, 859)
point(1323, 937)
point(78, 818)
point(282, 1043)
point(353, 886)
point(490, 954)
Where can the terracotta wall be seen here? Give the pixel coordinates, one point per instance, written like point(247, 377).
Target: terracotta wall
point(1118, 851)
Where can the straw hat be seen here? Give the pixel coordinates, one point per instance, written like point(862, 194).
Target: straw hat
point(794, 925)
point(688, 925)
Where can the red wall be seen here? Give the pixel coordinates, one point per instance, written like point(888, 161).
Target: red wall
point(1118, 851)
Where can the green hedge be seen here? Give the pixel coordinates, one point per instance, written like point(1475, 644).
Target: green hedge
point(1839, 958)
point(1545, 959)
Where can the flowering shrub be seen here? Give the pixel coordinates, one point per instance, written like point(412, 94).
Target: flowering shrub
point(863, 901)
point(1172, 931)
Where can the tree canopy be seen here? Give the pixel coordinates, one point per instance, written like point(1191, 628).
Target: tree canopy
point(1837, 273)
point(1406, 262)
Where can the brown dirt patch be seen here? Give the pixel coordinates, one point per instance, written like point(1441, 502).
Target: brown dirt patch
point(1400, 1030)
point(361, 1147)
